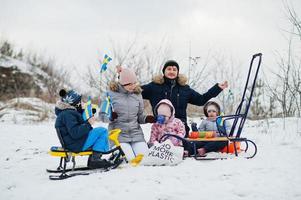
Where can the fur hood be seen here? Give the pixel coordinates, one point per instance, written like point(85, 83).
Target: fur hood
point(63, 106)
point(181, 80)
point(114, 86)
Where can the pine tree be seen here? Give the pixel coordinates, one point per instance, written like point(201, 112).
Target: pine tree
point(6, 49)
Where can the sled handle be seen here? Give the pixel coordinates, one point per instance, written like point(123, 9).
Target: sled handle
point(113, 135)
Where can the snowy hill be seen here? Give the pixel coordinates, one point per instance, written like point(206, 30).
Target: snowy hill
point(26, 110)
point(19, 78)
point(30, 77)
point(273, 174)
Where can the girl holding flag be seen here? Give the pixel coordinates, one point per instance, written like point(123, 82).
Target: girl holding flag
point(127, 113)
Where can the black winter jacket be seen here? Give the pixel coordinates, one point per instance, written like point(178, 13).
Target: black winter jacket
point(178, 92)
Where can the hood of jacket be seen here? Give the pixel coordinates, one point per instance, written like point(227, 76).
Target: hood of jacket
point(166, 101)
point(181, 80)
point(60, 106)
point(116, 87)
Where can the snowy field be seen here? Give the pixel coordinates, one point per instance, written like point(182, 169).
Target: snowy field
point(275, 172)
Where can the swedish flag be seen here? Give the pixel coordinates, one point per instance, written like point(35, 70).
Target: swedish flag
point(107, 107)
point(105, 61)
point(87, 114)
point(221, 126)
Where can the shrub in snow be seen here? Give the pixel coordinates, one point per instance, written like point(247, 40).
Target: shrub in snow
point(24, 110)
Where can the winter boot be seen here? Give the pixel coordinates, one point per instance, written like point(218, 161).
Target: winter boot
point(95, 161)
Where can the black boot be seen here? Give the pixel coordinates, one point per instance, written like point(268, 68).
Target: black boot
point(95, 161)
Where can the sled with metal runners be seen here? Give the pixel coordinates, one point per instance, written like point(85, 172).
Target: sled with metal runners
point(235, 143)
point(116, 158)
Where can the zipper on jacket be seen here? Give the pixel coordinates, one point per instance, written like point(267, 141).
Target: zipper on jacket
point(171, 88)
point(178, 96)
point(128, 113)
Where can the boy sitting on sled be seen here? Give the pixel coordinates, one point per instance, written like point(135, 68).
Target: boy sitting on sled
point(79, 135)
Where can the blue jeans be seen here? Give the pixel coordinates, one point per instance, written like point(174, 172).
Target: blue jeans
point(98, 140)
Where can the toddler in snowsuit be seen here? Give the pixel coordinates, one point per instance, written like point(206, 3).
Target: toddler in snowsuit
point(212, 111)
point(166, 123)
point(77, 134)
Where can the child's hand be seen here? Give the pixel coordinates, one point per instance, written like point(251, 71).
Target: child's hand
point(114, 116)
point(118, 68)
point(91, 120)
point(194, 126)
point(223, 85)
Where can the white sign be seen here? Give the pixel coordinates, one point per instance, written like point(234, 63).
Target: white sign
point(164, 153)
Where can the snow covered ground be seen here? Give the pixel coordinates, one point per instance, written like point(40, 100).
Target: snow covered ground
point(274, 173)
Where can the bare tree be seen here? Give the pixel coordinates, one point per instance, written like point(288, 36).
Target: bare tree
point(295, 61)
point(293, 19)
point(258, 110)
point(143, 59)
point(55, 79)
point(199, 66)
point(228, 70)
point(297, 86)
point(46, 71)
point(6, 48)
point(282, 90)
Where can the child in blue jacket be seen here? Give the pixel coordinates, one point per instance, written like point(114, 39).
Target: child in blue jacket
point(77, 134)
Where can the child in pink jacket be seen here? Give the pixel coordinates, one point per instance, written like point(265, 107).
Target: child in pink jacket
point(166, 123)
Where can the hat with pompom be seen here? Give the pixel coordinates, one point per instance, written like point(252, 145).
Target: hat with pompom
point(71, 97)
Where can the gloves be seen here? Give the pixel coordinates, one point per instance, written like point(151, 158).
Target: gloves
point(150, 119)
point(114, 116)
point(194, 126)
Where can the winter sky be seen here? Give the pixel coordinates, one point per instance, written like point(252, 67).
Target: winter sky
point(77, 32)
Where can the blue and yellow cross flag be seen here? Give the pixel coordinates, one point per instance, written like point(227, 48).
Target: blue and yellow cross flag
point(105, 61)
point(87, 114)
point(107, 107)
point(221, 125)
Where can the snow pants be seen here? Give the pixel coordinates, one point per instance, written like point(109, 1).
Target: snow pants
point(132, 149)
point(208, 146)
point(98, 139)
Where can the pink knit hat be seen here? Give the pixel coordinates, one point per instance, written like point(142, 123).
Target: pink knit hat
point(164, 109)
point(127, 76)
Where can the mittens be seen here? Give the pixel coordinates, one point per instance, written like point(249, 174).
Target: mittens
point(150, 119)
point(114, 116)
point(194, 126)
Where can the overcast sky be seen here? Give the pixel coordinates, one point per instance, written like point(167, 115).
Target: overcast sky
point(75, 32)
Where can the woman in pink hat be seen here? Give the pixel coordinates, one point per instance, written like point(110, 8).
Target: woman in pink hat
point(128, 113)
